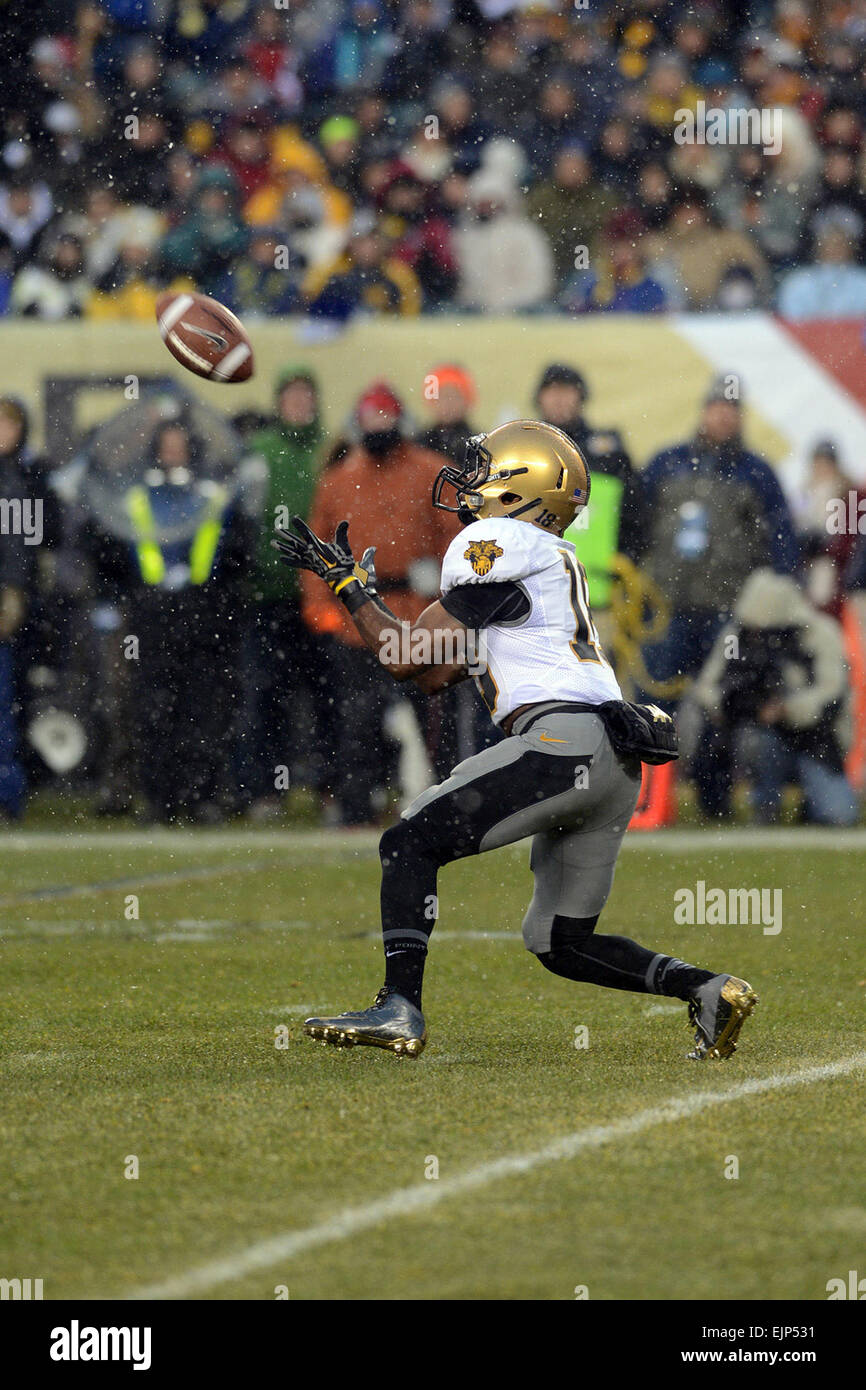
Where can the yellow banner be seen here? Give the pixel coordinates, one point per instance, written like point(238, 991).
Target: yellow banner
point(645, 378)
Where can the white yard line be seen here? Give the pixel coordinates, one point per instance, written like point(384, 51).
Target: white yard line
point(192, 873)
point(409, 1201)
point(204, 841)
point(664, 1009)
point(185, 930)
point(446, 935)
point(365, 842)
point(747, 838)
point(184, 936)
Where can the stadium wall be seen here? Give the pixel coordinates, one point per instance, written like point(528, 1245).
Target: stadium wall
point(647, 375)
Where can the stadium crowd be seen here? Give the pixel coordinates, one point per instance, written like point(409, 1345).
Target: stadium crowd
point(397, 157)
point(154, 652)
point(406, 156)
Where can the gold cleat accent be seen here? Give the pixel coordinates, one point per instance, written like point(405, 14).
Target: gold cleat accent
point(736, 1002)
point(392, 1024)
point(742, 999)
point(401, 1047)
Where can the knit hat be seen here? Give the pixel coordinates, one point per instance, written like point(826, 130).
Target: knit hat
point(337, 128)
point(560, 374)
point(296, 371)
point(381, 397)
point(452, 375)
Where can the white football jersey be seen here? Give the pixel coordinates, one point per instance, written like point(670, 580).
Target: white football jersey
point(554, 652)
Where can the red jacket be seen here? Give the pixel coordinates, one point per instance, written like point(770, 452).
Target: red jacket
point(387, 504)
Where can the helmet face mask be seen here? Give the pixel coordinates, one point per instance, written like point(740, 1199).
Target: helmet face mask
point(526, 470)
point(475, 471)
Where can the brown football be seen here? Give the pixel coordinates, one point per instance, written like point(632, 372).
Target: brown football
point(205, 337)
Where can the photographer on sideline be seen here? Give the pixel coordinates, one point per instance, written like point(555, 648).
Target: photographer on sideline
point(776, 691)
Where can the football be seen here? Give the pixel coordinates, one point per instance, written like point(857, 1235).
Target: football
point(205, 337)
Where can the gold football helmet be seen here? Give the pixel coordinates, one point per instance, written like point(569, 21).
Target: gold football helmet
point(524, 469)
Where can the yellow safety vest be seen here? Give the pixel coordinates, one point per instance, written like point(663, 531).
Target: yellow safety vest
point(151, 560)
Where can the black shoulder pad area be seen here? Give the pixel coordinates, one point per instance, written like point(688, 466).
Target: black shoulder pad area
point(483, 605)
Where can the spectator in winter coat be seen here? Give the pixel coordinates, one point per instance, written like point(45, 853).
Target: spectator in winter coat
point(244, 149)
point(266, 280)
point(355, 54)
point(315, 216)
point(105, 224)
point(504, 258)
point(504, 82)
point(619, 153)
point(207, 243)
point(137, 156)
point(423, 48)
point(823, 515)
point(714, 513)
point(839, 195)
point(199, 34)
point(367, 278)
point(339, 139)
point(833, 286)
point(559, 120)
point(55, 290)
point(654, 195)
point(382, 487)
point(618, 284)
point(614, 520)
point(570, 208)
point(419, 236)
point(26, 208)
point(691, 255)
point(776, 691)
point(461, 129)
point(132, 285)
point(21, 530)
point(752, 199)
point(286, 660)
point(178, 575)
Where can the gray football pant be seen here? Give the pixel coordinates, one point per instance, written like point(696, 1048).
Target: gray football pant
point(561, 783)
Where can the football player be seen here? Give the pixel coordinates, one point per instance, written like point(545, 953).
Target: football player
point(514, 612)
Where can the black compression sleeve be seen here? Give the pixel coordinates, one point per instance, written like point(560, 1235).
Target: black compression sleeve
point(482, 605)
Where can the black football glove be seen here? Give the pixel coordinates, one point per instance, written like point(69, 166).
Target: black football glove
point(332, 561)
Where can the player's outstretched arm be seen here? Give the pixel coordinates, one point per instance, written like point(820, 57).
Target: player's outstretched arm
point(432, 652)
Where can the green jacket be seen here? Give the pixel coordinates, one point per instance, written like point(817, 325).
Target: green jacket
point(570, 219)
point(292, 457)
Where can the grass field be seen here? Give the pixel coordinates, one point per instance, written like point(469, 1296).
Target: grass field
point(156, 1038)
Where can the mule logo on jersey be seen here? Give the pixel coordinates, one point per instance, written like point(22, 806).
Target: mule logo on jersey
point(482, 555)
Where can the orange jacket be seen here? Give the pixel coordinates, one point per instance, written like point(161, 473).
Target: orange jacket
point(387, 504)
